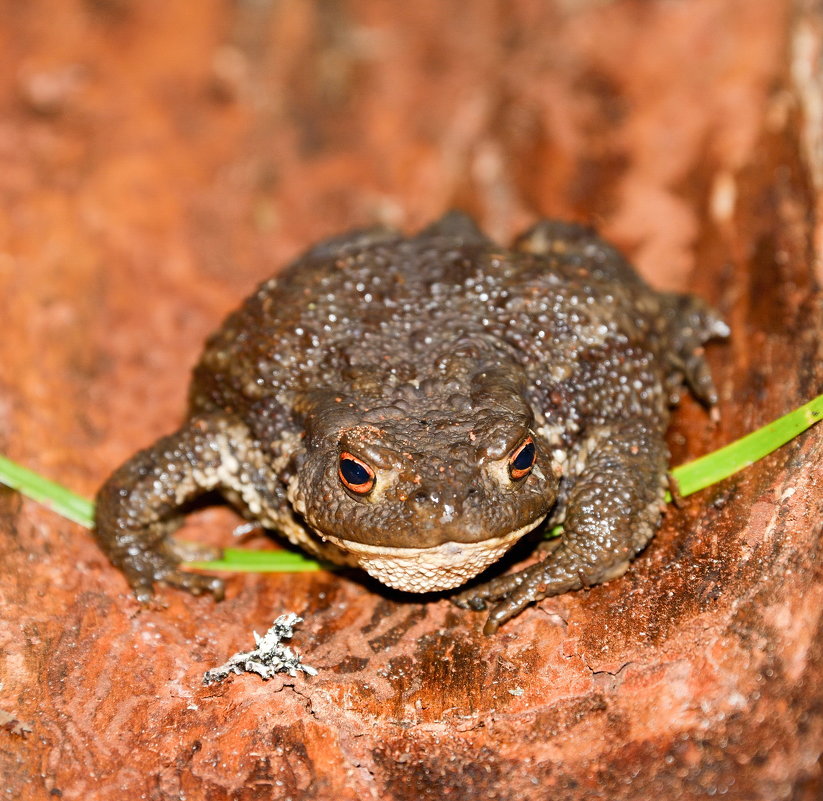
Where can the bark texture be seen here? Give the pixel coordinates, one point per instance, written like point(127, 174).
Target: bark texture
point(158, 159)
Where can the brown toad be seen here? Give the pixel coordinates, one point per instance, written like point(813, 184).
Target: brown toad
point(415, 405)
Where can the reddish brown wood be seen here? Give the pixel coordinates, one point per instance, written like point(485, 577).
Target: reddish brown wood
point(159, 159)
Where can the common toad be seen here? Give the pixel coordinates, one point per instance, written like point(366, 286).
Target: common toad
point(416, 405)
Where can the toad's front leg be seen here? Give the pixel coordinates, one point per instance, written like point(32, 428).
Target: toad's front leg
point(139, 505)
point(613, 509)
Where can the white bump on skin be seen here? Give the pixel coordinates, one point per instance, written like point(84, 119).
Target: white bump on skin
point(560, 372)
point(551, 434)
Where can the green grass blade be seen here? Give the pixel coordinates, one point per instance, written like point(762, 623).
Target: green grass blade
point(55, 497)
point(720, 464)
point(81, 510)
point(244, 560)
point(690, 477)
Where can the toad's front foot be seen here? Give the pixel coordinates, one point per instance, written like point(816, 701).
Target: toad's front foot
point(143, 567)
point(509, 595)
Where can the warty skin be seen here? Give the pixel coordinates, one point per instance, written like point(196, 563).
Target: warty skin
point(416, 405)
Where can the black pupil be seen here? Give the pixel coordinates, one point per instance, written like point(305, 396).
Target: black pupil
point(524, 459)
point(353, 472)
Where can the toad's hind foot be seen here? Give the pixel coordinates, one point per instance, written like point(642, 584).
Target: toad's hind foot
point(692, 323)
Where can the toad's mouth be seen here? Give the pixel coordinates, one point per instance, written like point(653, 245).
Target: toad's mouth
point(439, 567)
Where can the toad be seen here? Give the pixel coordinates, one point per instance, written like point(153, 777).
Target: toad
point(415, 405)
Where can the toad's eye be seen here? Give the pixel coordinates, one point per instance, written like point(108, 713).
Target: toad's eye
point(522, 459)
point(355, 474)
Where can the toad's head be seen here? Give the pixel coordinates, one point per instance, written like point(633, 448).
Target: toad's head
point(428, 487)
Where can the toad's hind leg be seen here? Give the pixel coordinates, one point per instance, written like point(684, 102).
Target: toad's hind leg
point(614, 508)
point(689, 322)
point(578, 245)
point(138, 507)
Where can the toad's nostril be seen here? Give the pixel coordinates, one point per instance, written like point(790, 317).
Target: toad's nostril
point(426, 496)
point(453, 497)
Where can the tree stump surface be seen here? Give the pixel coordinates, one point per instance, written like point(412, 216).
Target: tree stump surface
point(161, 159)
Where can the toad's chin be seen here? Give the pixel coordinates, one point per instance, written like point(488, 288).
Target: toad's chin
point(440, 567)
